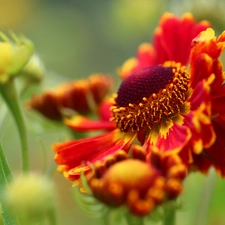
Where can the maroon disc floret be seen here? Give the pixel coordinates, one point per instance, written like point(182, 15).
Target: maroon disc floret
point(143, 83)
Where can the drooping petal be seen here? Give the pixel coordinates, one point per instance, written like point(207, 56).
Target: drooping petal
point(78, 153)
point(81, 123)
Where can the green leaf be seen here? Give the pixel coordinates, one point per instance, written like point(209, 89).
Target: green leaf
point(5, 178)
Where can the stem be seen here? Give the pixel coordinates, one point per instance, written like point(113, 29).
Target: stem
point(134, 220)
point(10, 96)
point(205, 198)
point(169, 217)
point(52, 217)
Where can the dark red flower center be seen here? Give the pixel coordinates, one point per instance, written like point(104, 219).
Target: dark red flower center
point(143, 83)
point(149, 95)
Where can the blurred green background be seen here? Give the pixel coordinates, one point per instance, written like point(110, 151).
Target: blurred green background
point(75, 38)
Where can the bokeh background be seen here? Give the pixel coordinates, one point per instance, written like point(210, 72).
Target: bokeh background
point(75, 38)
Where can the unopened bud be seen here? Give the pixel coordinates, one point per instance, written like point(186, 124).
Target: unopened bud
point(14, 55)
point(30, 198)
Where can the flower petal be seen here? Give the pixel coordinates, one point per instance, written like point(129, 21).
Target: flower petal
point(213, 156)
point(104, 110)
point(73, 153)
point(173, 39)
point(206, 46)
point(81, 123)
point(199, 118)
point(169, 142)
point(218, 106)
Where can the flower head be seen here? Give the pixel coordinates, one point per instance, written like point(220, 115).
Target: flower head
point(81, 96)
point(164, 103)
point(117, 181)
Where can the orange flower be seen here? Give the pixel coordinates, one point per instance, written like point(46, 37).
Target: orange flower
point(81, 96)
point(162, 103)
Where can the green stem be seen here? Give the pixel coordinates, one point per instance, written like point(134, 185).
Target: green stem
point(205, 198)
point(134, 220)
point(52, 217)
point(10, 96)
point(169, 217)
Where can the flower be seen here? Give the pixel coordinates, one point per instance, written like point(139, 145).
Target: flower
point(162, 103)
point(116, 181)
point(14, 56)
point(81, 96)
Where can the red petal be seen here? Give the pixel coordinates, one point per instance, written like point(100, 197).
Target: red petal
point(170, 142)
point(201, 68)
point(74, 153)
point(215, 155)
point(173, 41)
point(104, 110)
point(218, 106)
point(81, 123)
point(145, 58)
point(199, 119)
point(201, 95)
point(205, 46)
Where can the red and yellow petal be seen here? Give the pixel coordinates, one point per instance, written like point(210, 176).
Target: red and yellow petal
point(81, 124)
point(169, 142)
point(199, 118)
point(214, 155)
point(173, 38)
point(206, 46)
point(78, 153)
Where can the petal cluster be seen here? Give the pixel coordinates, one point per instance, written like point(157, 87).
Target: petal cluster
point(81, 96)
point(134, 182)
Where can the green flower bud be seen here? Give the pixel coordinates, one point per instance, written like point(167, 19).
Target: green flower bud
point(30, 198)
point(34, 71)
point(14, 55)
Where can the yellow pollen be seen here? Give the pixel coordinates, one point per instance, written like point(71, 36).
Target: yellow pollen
point(167, 102)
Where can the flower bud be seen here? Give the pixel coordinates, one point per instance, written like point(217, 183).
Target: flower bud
point(14, 56)
point(30, 198)
point(34, 71)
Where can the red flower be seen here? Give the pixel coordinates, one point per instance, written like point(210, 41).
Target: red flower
point(82, 96)
point(162, 103)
